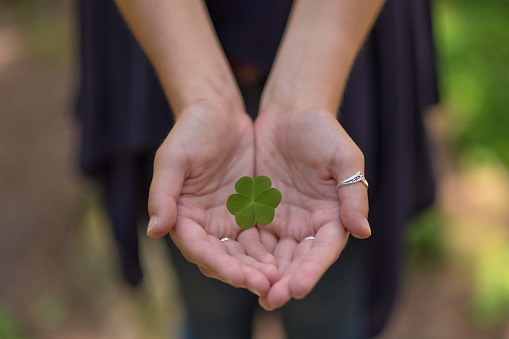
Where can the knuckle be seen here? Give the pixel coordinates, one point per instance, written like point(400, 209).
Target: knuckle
point(356, 155)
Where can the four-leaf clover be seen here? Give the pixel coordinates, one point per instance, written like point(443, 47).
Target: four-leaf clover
point(256, 200)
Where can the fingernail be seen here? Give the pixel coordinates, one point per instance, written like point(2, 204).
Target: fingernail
point(270, 308)
point(151, 224)
point(366, 224)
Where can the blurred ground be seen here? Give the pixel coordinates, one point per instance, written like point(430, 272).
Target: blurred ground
point(58, 277)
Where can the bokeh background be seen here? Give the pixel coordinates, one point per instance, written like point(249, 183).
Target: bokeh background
point(58, 272)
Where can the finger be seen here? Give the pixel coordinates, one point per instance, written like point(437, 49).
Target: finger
point(250, 240)
point(329, 241)
point(284, 252)
point(353, 200)
point(268, 239)
point(210, 254)
point(167, 181)
point(255, 281)
point(262, 301)
point(279, 294)
point(302, 248)
point(236, 250)
point(309, 265)
point(207, 252)
point(287, 252)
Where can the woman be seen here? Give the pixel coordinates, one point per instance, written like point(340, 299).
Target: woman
point(296, 140)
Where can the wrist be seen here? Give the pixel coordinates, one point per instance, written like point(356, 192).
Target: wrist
point(216, 111)
point(212, 108)
point(220, 98)
point(290, 97)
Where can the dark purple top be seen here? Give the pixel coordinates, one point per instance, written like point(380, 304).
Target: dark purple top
point(124, 117)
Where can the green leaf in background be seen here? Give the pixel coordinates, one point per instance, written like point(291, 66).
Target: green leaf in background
point(254, 200)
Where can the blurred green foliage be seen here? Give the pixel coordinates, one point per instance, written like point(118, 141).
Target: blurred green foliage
point(9, 326)
point(45, 28)
point(491, 289)
point(425, 238)
point(49, 310)
point(473, 49)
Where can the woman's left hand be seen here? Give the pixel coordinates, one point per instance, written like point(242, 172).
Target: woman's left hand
point(306, 154)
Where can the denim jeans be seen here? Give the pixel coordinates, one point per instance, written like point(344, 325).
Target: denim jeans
point(334, 309)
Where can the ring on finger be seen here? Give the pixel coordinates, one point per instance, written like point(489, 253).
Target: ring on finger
point(353, 179)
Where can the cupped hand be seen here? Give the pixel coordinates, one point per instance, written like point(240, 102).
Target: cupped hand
point(195, 171)
point(306, 154)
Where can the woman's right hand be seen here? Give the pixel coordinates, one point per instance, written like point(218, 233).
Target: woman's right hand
point(195, 171)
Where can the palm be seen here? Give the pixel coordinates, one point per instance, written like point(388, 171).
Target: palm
point(307, 205)
point(303, 156)
point(212, 177)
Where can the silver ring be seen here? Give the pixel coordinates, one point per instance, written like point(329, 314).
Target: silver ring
point(225, 239)
point(309, 238)
point(353, 179)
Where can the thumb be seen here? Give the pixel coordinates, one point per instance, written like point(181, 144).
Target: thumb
point(353, 197)
point(353, 201)
point(167, 181)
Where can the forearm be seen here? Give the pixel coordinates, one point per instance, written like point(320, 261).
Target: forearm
point(320, 44)
point(179, 40)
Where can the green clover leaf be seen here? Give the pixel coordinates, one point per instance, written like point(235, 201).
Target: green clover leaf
point(255, 200)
